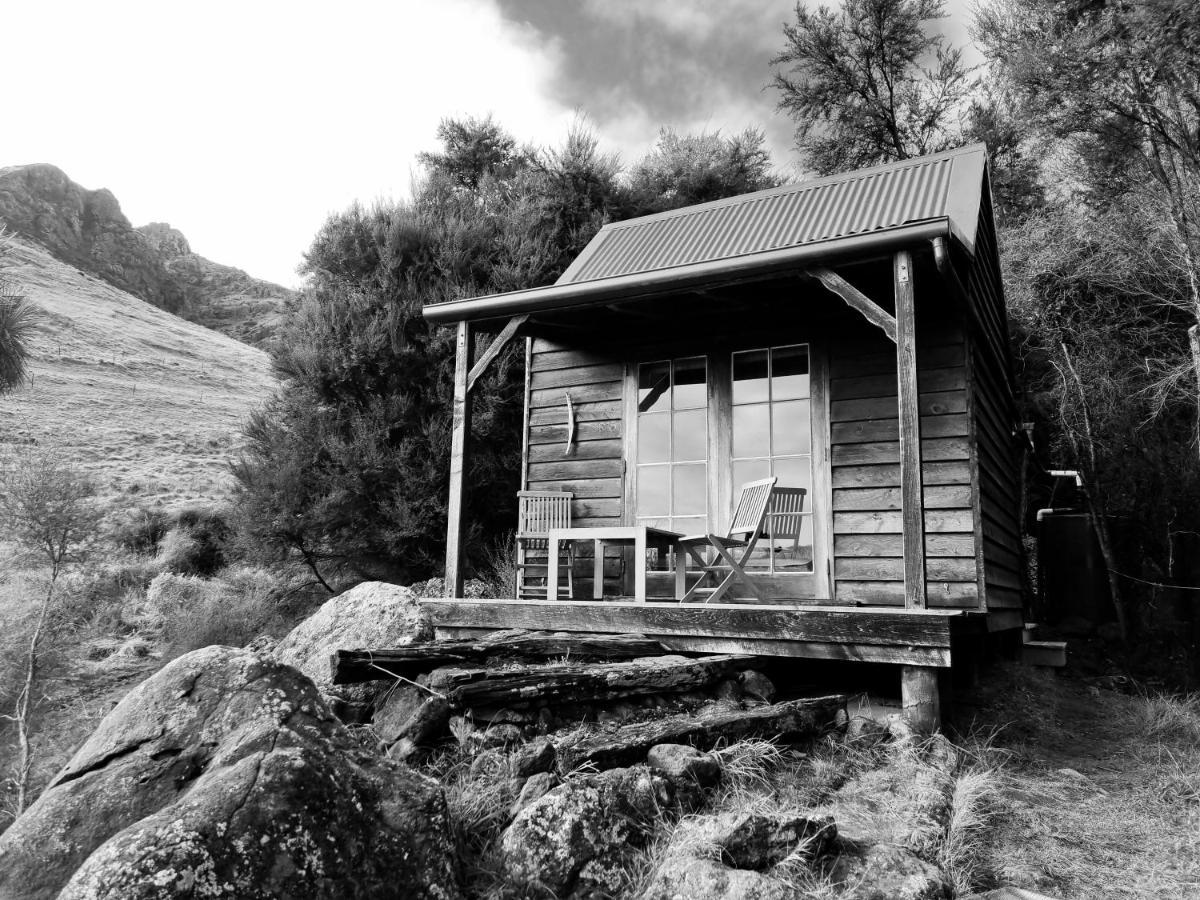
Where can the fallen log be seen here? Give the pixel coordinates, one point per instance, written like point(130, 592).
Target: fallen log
point(581, 682)
point(354, 666)
point(629, 744)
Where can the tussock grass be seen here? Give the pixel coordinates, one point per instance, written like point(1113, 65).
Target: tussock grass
point(1169, 718)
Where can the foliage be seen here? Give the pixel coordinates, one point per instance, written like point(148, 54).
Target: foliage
point(139, 529)
point(46, 504)
point(18, 318)
point(347, 468)
point(858, 88)
point(195, 541)
point(685, 169)
point(230, 610)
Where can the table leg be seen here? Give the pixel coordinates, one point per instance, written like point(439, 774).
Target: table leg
point(680, 570)
point(598, 570)
point(552, 569)
point(639, 566)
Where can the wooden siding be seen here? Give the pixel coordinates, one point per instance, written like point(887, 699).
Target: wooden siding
point(997, 448)
point(865, 452)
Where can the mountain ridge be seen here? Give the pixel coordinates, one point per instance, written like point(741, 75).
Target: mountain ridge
point(87, 229)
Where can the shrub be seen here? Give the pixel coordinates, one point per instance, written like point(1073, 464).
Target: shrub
point(139, 530)
point(195, 543)
point(196, 612)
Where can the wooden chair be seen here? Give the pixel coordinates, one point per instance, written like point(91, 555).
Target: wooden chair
point(537, 513)
point(748, 518)
point(785, 519)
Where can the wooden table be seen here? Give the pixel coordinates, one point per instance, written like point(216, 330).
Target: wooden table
point(640, 537)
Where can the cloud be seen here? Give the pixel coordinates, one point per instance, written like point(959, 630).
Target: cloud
point(634, 66)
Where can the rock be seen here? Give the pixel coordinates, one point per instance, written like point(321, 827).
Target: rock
point(373, 614)
point(422, 730)
point(729, 690)
point(535, 787)
point(226, 770)
point(684, 877)
point(500, 736)
point(535, 758)
point(757, 685)
point(758, 841)
point(579, 835)
point(683, 763)
point(865, 732)
point(393, 710)
point(888, 872)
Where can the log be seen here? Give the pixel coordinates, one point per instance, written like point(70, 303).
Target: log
point(582, 682)
point(629, 744)
point(354, 666)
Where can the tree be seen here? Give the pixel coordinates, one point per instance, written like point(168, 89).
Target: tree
point(859, 87)
point(346, 470)
point(686, 169)
point(1118, 85)
point(18, 318)
point(47, 504)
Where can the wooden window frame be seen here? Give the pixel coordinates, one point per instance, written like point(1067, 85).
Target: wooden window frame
point(816, 585)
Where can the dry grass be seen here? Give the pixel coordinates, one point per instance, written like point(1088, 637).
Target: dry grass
point(149, 404)
point(1100, 796)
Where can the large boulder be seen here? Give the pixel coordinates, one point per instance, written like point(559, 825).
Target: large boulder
point(887, 872)
point(372, 615)
point(225, 774)
point(576, 839)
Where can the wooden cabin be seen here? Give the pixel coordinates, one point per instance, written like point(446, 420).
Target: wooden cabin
point(846, 336)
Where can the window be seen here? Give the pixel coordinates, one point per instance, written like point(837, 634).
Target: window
point(672, 444)
point(772, 435)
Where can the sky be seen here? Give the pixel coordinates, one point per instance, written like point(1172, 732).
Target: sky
point(245, 124)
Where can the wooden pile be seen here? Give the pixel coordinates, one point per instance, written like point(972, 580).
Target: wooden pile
point(525, 670)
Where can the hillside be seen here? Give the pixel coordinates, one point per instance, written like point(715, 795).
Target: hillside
point(154, 262)
point(150, 403)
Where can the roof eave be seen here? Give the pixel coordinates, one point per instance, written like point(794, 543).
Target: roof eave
point(578, 295)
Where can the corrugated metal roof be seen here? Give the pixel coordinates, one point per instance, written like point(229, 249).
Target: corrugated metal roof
point(860, 202)
point(861, 213)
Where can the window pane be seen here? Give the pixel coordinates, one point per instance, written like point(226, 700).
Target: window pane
point(747, 470)
point(653, 438)
point(750, 376)
point(791, 428)
point(653, 487)
point(789, 373)
point(690, 390)
point(691, 435)
point(654, 386)
point(689, 525)
point(663, 522)
point(794, 471)
point(691, 490)
point(750, 431)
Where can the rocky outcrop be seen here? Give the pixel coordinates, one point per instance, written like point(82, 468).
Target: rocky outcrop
point(88, 230)
point(372, 614)
point(226, 775)
point(576, 839)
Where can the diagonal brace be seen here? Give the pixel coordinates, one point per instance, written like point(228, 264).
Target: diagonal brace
point(494, 349)
point(857, 300)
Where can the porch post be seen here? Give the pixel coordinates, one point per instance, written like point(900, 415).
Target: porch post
point(460, 445)
point(912, 503)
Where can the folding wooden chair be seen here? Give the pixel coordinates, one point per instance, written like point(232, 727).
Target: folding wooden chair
point(785, 518)
point(537, 513)
point(747, 522)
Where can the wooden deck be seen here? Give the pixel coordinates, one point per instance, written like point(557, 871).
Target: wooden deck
point(911, 637)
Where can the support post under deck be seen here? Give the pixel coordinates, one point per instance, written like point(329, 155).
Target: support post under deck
point(920, 698)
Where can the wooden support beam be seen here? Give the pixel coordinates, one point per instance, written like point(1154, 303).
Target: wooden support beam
point(742, 620)
point(494, 349)
point(920, 698)
point(460, 444)
point(912, 503)
point(805, 718)
point(856, 300)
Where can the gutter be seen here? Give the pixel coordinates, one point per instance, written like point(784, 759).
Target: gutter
point(602, 291)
